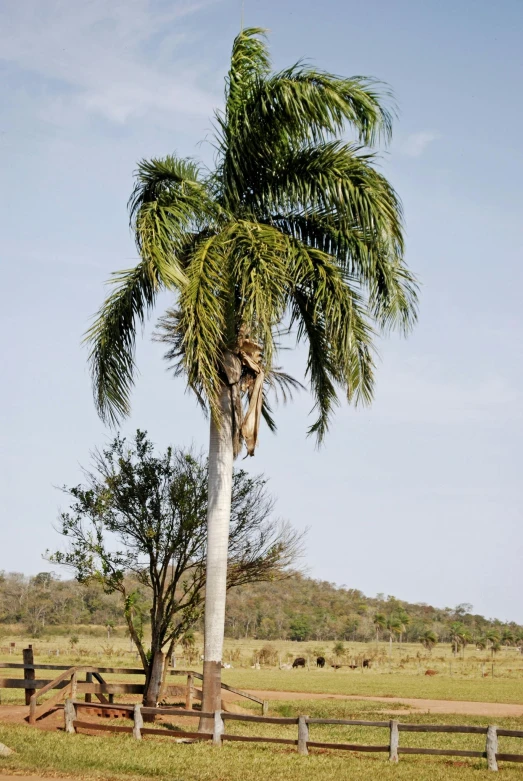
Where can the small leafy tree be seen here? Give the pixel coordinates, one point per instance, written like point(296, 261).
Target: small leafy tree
point(339, 650)
point(141, 520)
point(300, 628)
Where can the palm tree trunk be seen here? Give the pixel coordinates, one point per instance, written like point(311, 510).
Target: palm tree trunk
point(221, 459)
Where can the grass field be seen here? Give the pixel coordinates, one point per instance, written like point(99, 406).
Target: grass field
point(400, 676)
point(119, 757)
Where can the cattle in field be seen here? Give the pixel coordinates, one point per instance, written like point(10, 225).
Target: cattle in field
point(336, 666)
point(366, 663)
point(353, 666)
point(320, 661)
point(299, 662)
point(431, 672)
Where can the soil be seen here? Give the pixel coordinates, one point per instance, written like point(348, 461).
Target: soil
point(414, 705)
point(17, 714)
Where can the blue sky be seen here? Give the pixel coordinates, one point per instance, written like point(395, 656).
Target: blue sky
point(419, 496)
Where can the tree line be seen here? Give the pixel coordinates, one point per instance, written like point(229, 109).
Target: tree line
point(297, 608)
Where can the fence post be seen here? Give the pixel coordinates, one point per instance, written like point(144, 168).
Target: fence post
point(88, 679)
point(492, 747)
point(138, 722)
point(74, 685)
point(303, 735)
point(218, 728)
point(394, 741)
point(69, 716)
point(265, 707)
point(30, 675)
point(189, 693)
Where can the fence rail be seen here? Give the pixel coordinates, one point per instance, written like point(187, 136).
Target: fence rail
point(303, 742)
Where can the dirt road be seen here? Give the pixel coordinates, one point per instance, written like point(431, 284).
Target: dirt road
point(414, 705)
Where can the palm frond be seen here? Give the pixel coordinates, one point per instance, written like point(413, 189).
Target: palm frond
point(331, 316)
point(204, 305)
point(112, 338)
point(260, 262)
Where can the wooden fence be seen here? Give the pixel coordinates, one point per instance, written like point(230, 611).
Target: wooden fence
point(302, 741)
point(69, 684)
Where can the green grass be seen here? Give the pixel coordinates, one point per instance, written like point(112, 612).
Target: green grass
point(402, 676)
point(119, 757)
point(370, 683)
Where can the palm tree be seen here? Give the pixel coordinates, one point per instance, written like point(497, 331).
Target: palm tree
point(428, 640)
point(507, 638)
point(466, 638)
point(294, 229)
point(456, 634)
point(481, 643)
point(394, 627)
point(494, 639)
point(404, 620)
point(380, 622)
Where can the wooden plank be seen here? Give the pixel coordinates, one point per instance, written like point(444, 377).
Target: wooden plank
point(97, 706)
point(242, 694)
point(23, 683)
point(118, 670)
point(510, 733)
point(165, 733)
point(177, 712)
point(175, 734)
point(259, 719)
point(149, 711)
point(95, 725)
point(510, 757)
point(93, 688)
point(60, 679)
point(30, 674)
point(443, 752)
point(49, 704)
point(245, 739)
point(110, 688)
point(441, 728)
point(350, 722)
point(348, 747)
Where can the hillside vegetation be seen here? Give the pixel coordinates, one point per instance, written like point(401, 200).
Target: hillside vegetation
point(298, 608)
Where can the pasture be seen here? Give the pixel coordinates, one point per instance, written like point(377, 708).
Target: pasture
point(257, 665)
point(117, 756)
point(475, 677)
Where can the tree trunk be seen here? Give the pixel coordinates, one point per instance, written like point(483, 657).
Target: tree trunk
point(221, 459)
point(153, 682)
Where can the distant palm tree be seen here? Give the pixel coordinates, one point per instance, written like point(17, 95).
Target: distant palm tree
point(481, 643)
point(494, 639)
point(380, 622)
point(394, 627)
point(404, 619)
point(466, 638)
point(428, 640)
point(507, 637)
point(456, 633)
point(294, 227)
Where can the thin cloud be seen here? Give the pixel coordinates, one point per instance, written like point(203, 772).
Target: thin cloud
point(416, 143)
point(118, 59)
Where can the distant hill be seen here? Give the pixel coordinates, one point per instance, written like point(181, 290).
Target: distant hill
point(298, 608)
point(302, 608)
